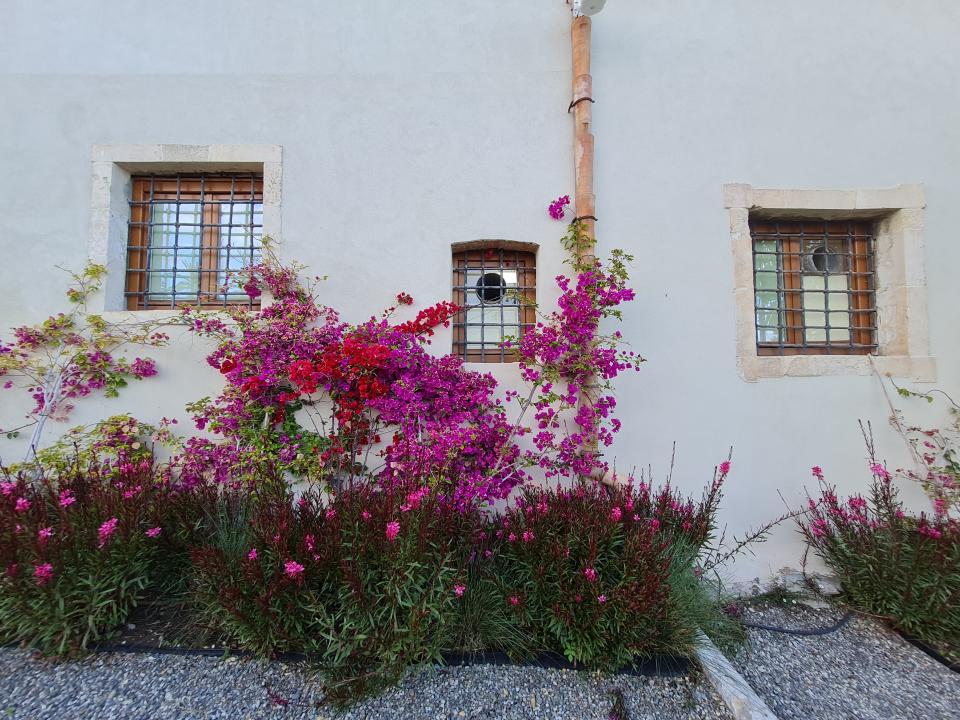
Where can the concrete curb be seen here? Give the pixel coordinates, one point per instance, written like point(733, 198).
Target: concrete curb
point(732, 687)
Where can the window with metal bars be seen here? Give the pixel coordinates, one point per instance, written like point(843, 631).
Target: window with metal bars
point(495, 288)
point(814, 286)
point(188, 235)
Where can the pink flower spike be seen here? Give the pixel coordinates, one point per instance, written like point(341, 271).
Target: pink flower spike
point(44, 533)
point(459, 590)
point(252, 555)
point(66, 498)
point(153, 532)
point(293, 569)
point(365, 515)
point(601, 599)
point(43, 573)
point(616, 514)
point(393, 529)
point(106, 530)
point(817, 472)
point(590, 574)
point(514, 600)
point(22, 505)
point(725, 467)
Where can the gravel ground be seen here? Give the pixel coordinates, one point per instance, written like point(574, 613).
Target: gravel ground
point(157, 687)
point(861, 672)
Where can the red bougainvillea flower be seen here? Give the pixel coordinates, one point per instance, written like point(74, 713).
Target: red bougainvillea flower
point(227, 365)
point(404, 299)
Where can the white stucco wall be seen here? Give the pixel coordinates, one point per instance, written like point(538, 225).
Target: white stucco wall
point(405, 127)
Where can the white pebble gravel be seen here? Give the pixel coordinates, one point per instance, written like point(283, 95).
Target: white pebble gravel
point(158, 687)
point(862, 672)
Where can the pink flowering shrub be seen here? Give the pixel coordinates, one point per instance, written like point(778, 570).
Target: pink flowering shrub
point(71, 355)
point(595, 573)
point(570, 365)
point(76, 553)
point(311, 395)
point(366, 584)
point(890, 563)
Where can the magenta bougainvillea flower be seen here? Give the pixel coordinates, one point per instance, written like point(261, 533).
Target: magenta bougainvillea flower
point(556, 208)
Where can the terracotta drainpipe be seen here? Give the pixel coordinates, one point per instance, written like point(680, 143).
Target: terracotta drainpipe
point(585, 201)
point(582, 121)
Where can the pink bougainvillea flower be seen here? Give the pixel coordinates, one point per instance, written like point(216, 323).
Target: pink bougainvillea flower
point(153, 532)
point(556, 207)
point(393, 529)
point(459, 590)
point(106, 530)
point(252, 555)
point(293, 569)
point(252, 289)
point(43, 573)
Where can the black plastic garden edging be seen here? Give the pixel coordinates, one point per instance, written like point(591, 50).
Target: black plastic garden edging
point(658, 665)
point(921, 645)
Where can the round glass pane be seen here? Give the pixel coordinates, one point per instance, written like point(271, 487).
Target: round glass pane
point(491, 287)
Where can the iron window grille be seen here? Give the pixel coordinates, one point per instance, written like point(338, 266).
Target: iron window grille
point(496, 291)
point(188, 235)
point(814, 287)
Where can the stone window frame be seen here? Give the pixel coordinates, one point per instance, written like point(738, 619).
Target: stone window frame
point(113, 167)
point(901, 284)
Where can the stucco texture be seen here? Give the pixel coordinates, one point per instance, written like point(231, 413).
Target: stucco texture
point(406, 127)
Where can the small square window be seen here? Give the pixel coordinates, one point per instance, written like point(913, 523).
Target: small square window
point(814, 287)
point(495, 288)
point(188, 235)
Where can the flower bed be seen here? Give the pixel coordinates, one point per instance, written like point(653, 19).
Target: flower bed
point(367, 582)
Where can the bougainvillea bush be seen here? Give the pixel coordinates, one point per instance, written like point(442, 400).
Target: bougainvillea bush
point(314, 396)
point(890, 563)
point(71, 355)
point(76, 553)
